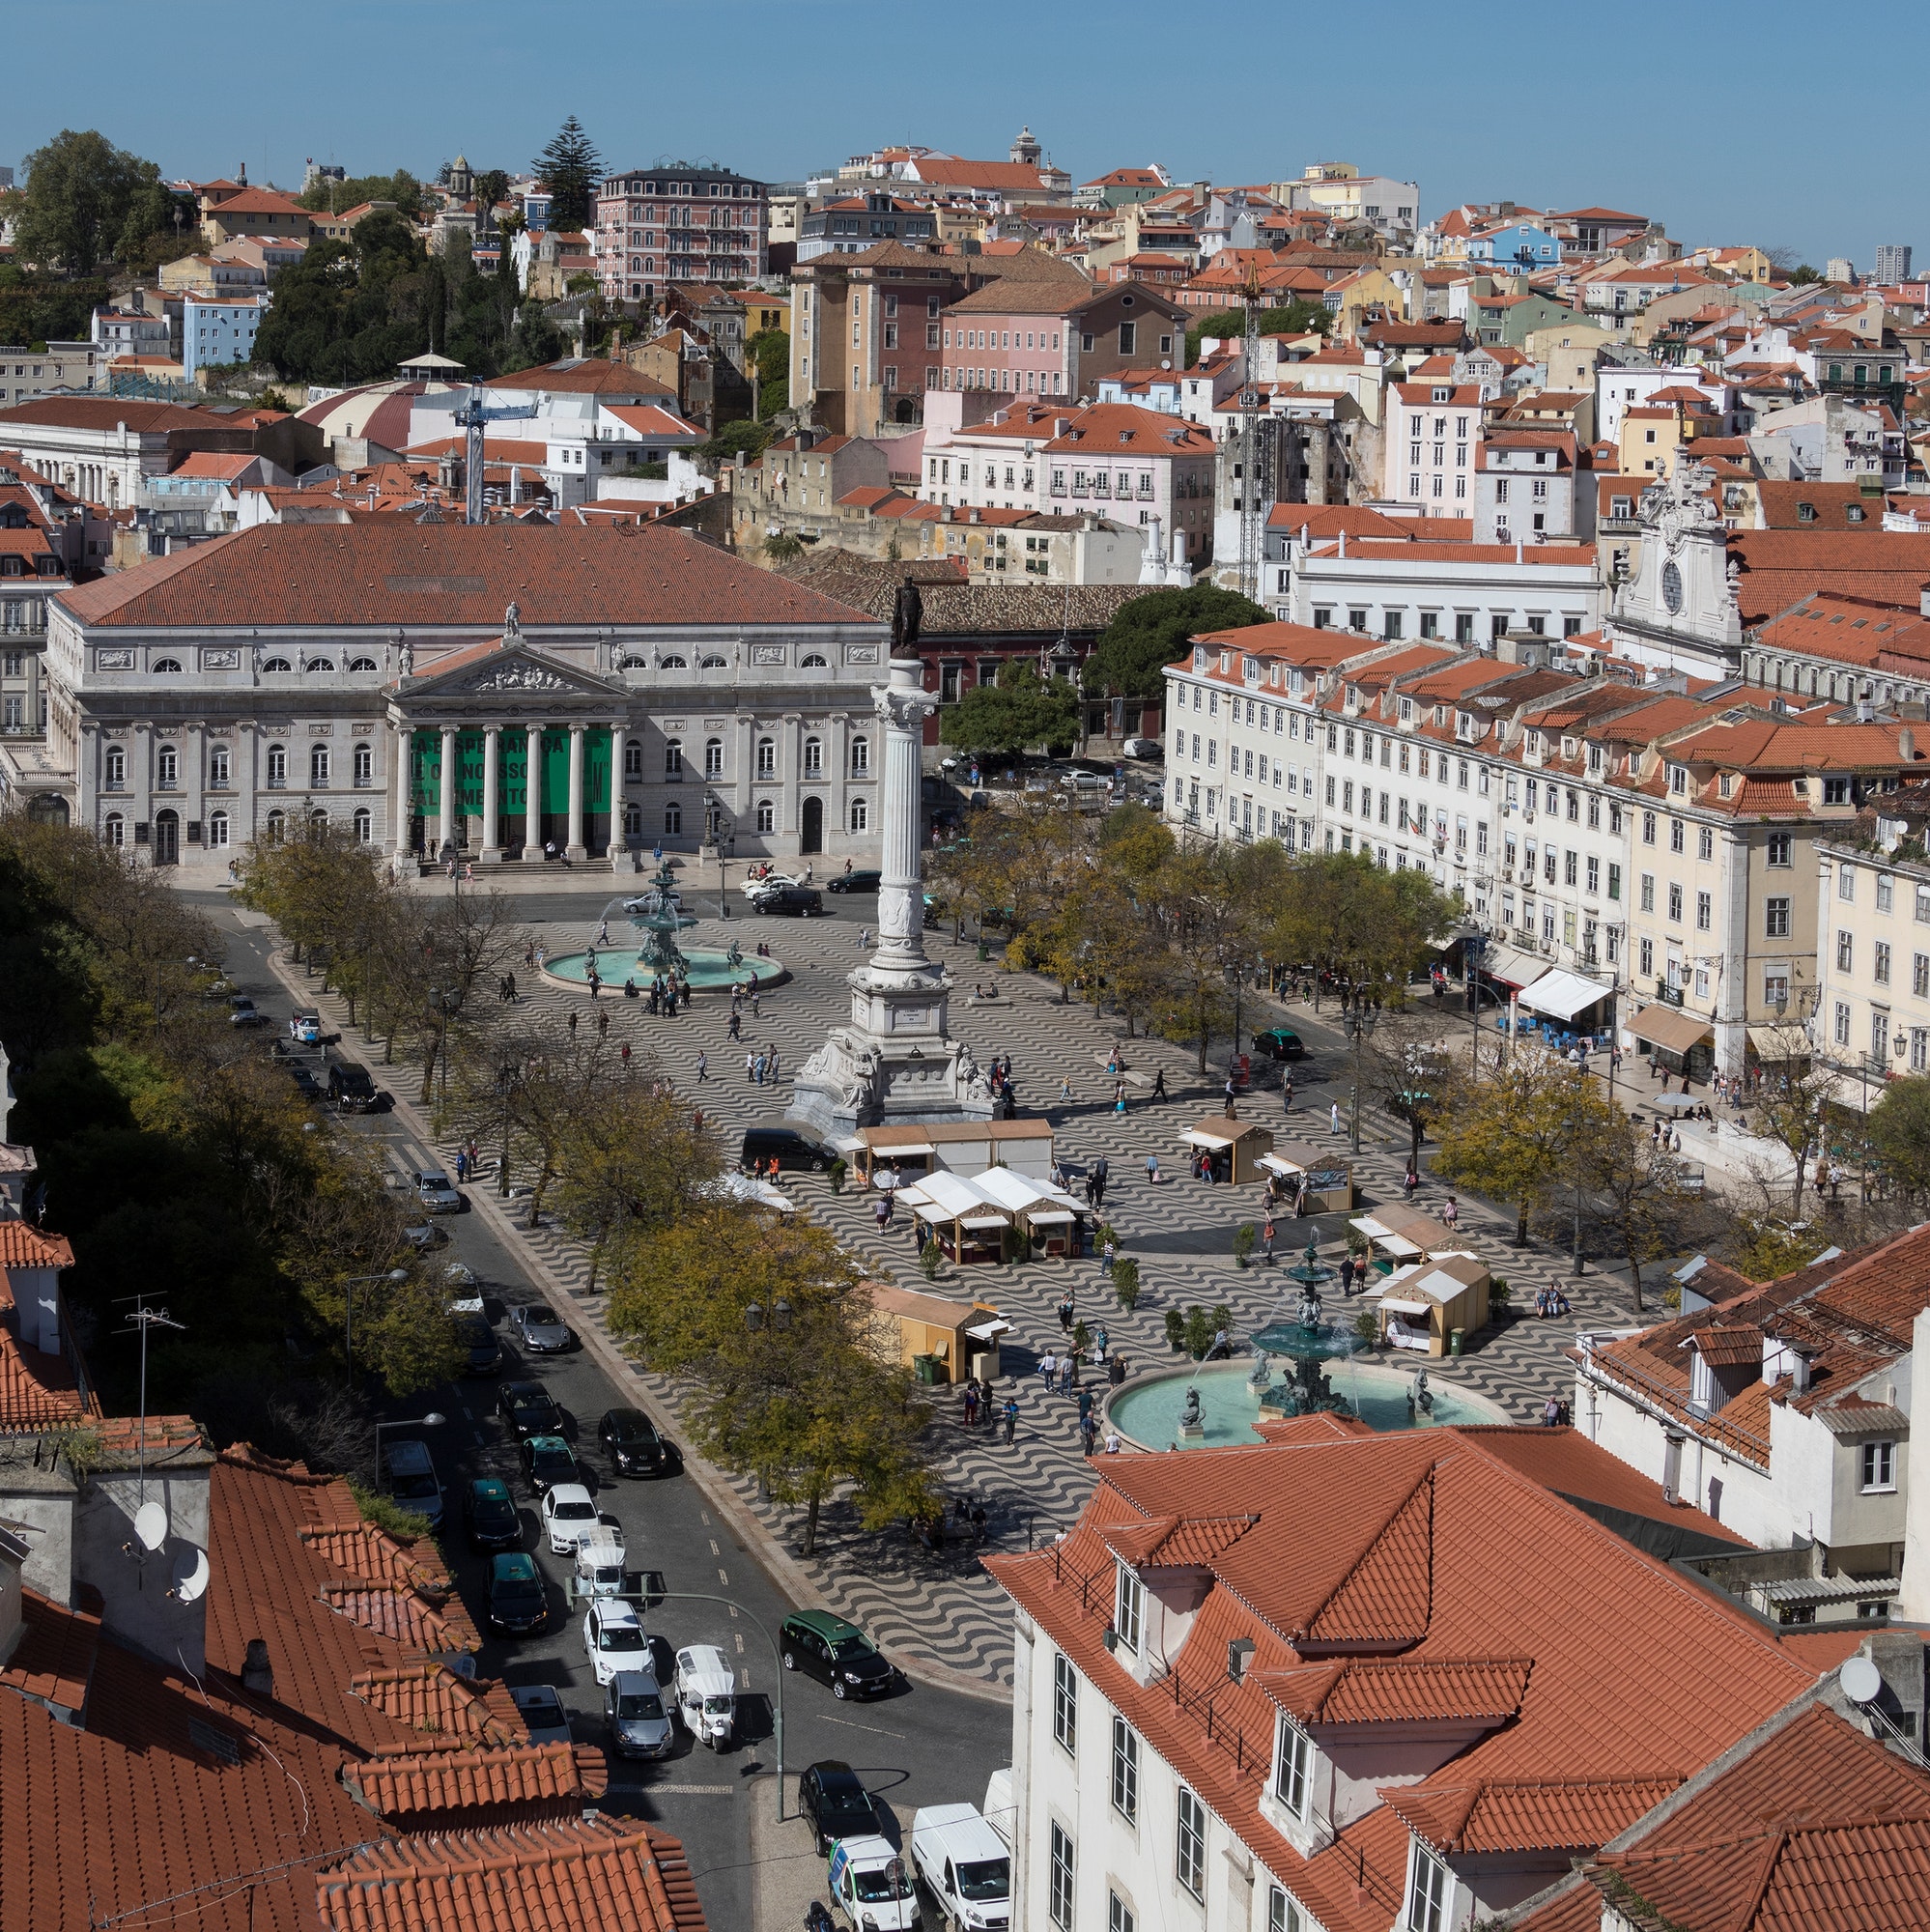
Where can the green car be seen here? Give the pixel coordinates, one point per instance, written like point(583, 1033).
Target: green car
point(1279, 1043)
point(548, 1459)
point(489, 1512)
point(836, 1653)
point(515, 1603)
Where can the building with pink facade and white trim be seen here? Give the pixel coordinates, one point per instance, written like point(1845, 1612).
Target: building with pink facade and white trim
point(1025, 337)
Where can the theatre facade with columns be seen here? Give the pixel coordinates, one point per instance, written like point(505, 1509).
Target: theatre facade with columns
point(480, 692)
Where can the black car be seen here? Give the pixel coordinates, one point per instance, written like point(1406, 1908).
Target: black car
point(791, 1149)
point(793, 901)
point(305, 1083)
point(350, 1087)
point(833, 1796)
point(529, 1410)
point(514, 1601)
point(1279, 1043)
point(490, 1514)
point(863, 881)
point(547, 1461)
point(484, 1351)
point(631, 1442)
point(836, 1653)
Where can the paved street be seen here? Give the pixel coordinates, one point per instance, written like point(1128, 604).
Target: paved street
point(936, 1610)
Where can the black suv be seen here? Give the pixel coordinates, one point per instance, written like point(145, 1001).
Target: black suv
point(484, 1354)
point(529, 1410)
point(833, 1796)
point(794, 901)
point(791, 1149)
point(631, 1442)
point(350, 1087)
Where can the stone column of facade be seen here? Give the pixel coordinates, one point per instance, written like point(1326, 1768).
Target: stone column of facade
point(398, 840)
point(616, 845)
point(445, 836)
point(532, 796)
point(1316, 462)
point(576, 849)
point(492, 838)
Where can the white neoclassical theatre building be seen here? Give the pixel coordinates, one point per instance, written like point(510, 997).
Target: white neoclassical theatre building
point(404, 681)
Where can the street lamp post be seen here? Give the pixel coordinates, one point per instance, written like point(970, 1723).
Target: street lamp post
point(506, 1077)
point(434, 1419)
point(447, 999)
point(349, 1288)
point(1471, 946)
point(1361, 1021)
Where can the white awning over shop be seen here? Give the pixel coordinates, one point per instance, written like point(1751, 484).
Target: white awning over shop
point(979, 1221)
point(1203, 1137)
point(1511, 966)
point(1561, 995)
point(986, 1331)
point(1420, 1308)
point(1051, 1217)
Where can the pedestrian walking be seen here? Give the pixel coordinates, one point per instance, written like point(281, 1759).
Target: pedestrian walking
point(1153, 1170)
point(1066, 1313)
point(626, 1055)
point(1066, 1364)
point(1286, 1095)
point(864, 939)
point(1101, 1342)
point(1231, 1094)
point(1450, 1212)
point(462, 1166)
point(881, 1211)
point(1048, 1367)
point(1066, 1092)
point(1011, 1416)
point(573, 1023)
point(1159, 1085)
point(1410, 1180)
point(1107, 1254)
point(1085, 1404)
point(603, 1026)
point(771, 1069)
point(750, 1066)
point(1088, 1432)
point(703, 1068)
point(736, 1024)
point(1333, 1117)
point(971, 1404)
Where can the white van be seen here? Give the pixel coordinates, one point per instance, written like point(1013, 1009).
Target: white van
point(872, 1887)
point(966, 1864)
point(1000, 1813)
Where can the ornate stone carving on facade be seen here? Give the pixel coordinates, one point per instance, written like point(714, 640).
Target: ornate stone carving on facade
point(519, 676)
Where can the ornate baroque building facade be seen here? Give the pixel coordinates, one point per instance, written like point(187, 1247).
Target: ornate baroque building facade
point(404, 681)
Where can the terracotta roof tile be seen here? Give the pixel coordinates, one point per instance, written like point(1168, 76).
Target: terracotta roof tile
point(1550, 1815)
point(54, 1658)
point(1171, 1541)
point(437, 1708)
point(22, 1245)
point(1364, 1691)
point(395, 1612)
point(556, 1778)
point(1728, 1347)
point(1387, 1596)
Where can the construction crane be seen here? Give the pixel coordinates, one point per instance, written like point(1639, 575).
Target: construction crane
point(1251, 523)
point(470, 416)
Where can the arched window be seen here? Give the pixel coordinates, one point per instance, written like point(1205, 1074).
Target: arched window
point(321, 663)
point(277, 766)
point(217, 767)
point(365, 766)
point(674, 662)
point(365, 827)
point(362, 664)
point(633, 759)
point(813, 750)
point(117, 768)
point(167, 768)
point(711, 661)
point(861, 815)
point(767, 758)
point(813, 660)
point(713, 757)
point(167, 665)
point(673, 757)
point(318, 819)
point(633, 820)
point(277, 664)
point(217, 829)
point(635, 664)
point(115, 831)
point(767, 816)
point(861, 757)
point(318, 766)
point(276, 823)
point(673, 818)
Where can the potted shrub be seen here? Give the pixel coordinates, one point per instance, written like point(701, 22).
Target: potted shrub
point(1125, 1283)
point(1175, 1330)
point(1244, 1238)
point(1499, 1294)
point(835, 1173)
point(930, 1259)
point(1199, 1333)
point(1367, 1329)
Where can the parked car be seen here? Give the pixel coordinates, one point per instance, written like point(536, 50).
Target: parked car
point(793, 903)
point(1086, 785)
point(833, 1798)
point(547, 1461)
point(1143, 748)
point(569, 1515)
point(489, 1512)
point(408, 1475)
point(515, 1602)
point(864, 880)
point(614, 1639)
point(482, 1352)
point(768, 883)
point(436, 1192)
point(872, 1885)
point(304, 1026)
point(305, 1084)
point(527, 1409)
point(540, 1331)
point(1279, 1043)
point(706, 1694)
point(966, 1864)
point(465, 1287)
point(635, 1714)
point(543, 1712)
point(836, 1653)
point(423, 1235)
point(244, 1012)
point(350, 1087)
point(635, 1448)
point(791, 1149)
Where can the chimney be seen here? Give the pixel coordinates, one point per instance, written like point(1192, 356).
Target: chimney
point(257, 1674)
point(1671, 1477)
point(1799, 1367)
point(1865, 711)
point(1905, 745)
point(1343, 542)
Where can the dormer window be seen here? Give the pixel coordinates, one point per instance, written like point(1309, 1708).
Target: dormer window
point(1429, 1892)
point(1407, 711)
point(1725, 786)
point(1835, 791)
point(1534, 743)
point(1568, 747)
point(1200, 657)
point(1678, 779)
point(1595, 762)
point(1292, 1767)
point(1226, 661)
point(1129, 1610)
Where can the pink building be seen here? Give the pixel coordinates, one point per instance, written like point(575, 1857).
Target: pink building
point(679, 224)
point(1057, 337)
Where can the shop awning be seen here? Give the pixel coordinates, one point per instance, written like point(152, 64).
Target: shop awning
point(981, 1221)
point(1406, 1307)
point(1387, 1240)
point(1051, 1217)
point(1203, 1137)
point(1777, 1044)
point(901, 1147)
point(1511, 966)
point(986, 1331)
point(1561, 995)
point(1279, 1164)
point(1670, 1028)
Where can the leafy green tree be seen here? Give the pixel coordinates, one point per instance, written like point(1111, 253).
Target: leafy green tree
point(1360, 921)
point(1804, 275)
point(401, 187)
point(1899, 1131)
point(490, 186)
point(351, 311)
point(37, 306)
point(1147, 634)
point(770, 354)
point(1020, 711)
point(1636, 1193)
point(571, 170)
point(85, 198)
point(734, 440)
point(1296, 318)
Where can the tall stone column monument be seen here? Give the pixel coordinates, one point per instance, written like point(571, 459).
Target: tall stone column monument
point(894, 1063)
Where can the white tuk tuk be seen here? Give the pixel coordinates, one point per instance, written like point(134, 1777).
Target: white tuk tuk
point(599, 1568)
point(706, 1691)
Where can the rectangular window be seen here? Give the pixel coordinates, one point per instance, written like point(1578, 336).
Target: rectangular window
point(1292, 1773)
point(1593, 875)
point(1704, 910)
point(1614, 882)
point(1879, 1465)
point(1919, 975)
point(1648, 828)
point(1885, 892)
point(1189, 1850)
point(1126, 1770)
point(1846, 884)
point(1064, 1702)
point(1780, 845)
point(1846, 947)
point(1775, 918)
point(1429, 1886)
point(1120, 1914)
point(1129, 1610)
point(1058, 1891)
point(1879, 1035)
point(1648, 892)
point(1648, 955)
point(1880, 963)
point(1281, 1914)
point(1705, 843)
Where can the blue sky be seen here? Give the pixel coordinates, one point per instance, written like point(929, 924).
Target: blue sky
point(1728, 125)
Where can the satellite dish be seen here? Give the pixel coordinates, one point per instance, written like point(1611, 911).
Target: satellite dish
point(190, 1575)
point(1861, 1679)
point(150, 1525)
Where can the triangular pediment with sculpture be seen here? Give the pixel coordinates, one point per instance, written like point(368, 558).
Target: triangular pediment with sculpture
point(508, 667)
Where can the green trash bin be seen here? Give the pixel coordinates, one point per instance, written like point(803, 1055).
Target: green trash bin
point(926, 1368)
point(984, 950)
point(1454, 1340)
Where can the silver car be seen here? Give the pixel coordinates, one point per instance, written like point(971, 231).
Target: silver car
point(540, 1331)
point(543, 1712)
point(436, 1192)
point(636, 1716)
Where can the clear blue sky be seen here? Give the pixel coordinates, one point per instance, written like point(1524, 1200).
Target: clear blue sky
point(1729, 125)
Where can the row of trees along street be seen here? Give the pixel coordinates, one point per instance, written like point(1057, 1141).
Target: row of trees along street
point(762, 1326)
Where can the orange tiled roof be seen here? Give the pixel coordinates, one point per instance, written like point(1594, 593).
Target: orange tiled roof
point(1552, 1814)
point(54, 1658)
point(396, 1612)
point(25, 1246)
point(1374, 1690)
point(438, 1708)
point(1166, 1542)
point(555, 1778)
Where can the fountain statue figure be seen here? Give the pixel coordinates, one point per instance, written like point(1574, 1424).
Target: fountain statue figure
point(655, 915)
point(1189, 1417)
point(1304, 1342)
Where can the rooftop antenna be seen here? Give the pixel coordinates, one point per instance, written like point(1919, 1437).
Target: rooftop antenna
point(149, 1519)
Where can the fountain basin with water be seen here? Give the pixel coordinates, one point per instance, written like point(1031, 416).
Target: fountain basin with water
point(653, 914)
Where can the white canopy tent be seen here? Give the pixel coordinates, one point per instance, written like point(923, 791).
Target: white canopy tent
point(1560, 995)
